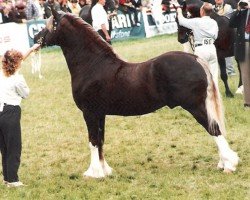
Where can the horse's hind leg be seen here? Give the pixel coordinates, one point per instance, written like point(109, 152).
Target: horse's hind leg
point(224, 77)
point(228, 158)
point(98, 166)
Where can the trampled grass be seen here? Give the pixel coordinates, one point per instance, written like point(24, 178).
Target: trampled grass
point(162, 155)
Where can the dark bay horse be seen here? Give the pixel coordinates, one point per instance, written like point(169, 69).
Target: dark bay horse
point(103, 84)
point(224, 43)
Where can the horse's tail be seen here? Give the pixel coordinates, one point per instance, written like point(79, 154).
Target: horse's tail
point(213, 103)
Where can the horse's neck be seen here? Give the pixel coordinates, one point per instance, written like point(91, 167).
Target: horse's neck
point(81, 56)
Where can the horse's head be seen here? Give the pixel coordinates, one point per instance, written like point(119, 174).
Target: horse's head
point(183, 33)
point(190, 9)
point(50, 34)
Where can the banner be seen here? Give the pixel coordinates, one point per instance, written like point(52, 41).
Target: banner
point(166, 24)
point(21, 36)
point(123, 29)
point(13, 36)
point(33, 27)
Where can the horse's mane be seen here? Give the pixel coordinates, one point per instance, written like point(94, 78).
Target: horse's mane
point(91, 34)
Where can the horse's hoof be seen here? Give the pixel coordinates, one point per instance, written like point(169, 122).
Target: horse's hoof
point(228, 171)
point(220, 165)
point(240, 90)
point(94, 172)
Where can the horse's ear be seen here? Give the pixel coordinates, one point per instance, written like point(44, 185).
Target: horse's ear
point(55, 13)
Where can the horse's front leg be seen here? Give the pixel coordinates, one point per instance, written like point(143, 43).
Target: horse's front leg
point(98, 166)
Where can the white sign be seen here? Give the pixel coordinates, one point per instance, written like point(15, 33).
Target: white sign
point(167, 25)
point(13, 36)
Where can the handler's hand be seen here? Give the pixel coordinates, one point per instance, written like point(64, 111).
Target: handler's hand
point(175, 4)
point(36, 47)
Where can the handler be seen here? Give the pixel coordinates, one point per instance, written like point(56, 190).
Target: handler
point(241, 20)
point(13, 88)
point(100, 20)
point(205, 32)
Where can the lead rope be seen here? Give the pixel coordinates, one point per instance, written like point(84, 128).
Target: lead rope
point(191, 40)
point(36, 61)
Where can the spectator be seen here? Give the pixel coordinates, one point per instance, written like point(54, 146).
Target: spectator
point(138, 6)
point(75, 7)
point(100, 20)
point(223, 9)
point(48, 4)
point(241, 21)
point(17, 13)
point(82, 3)
point(13, 89)
point(5, 18)
point(64, 6)
point(31, 10)
point(41, 3)
point(40, 8)
point(127, 7)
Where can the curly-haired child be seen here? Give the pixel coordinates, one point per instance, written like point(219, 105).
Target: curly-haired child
point(13, 89)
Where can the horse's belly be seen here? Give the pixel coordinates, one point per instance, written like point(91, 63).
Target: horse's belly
point(133, 108)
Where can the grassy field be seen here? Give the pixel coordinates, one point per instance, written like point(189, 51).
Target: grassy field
point(163, 155)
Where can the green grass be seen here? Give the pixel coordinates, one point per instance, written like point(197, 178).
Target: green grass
point(162, 155)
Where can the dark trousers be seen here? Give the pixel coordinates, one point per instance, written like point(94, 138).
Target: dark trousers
point(103, 36)
point(10, 141)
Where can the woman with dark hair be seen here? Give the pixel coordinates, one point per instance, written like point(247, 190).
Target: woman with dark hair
point(13, 89)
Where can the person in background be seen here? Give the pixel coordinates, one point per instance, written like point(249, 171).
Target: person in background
point(47, 5)
point(41, 4)
point(13, 89)
point(82, 3)
point(6, 9)
point(100, 20)
point(39, 8)
point(223, 9)
point(2, 6)
point(138, 6)
point(127, 7)
point(74, 7)
point(64, 6)
point(17, 13)
point(241, 21)
point(31, 10)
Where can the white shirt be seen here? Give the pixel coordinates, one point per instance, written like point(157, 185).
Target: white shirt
point(99, 17)
point(204, 27)
point(13, 89)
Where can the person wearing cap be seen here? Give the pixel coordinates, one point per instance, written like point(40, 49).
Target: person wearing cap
point(241, 21)
point(13, 89)
point(205, 31)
